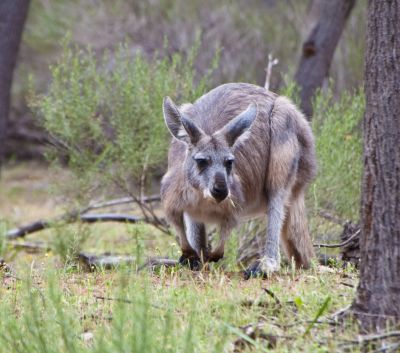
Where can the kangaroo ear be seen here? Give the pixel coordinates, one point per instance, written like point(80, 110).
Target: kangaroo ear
point(181, 127)
point(236, 128)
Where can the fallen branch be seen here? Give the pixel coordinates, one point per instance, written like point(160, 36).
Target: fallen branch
point(32, 247)
point(70, 218)
point(106, 261)
point(340, 244)
point(109, 217)
point(27, 229)
point(155, 261)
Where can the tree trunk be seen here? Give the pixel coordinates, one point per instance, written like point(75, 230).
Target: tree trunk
point(378, 294)
point(319, 47)
point(12, 19)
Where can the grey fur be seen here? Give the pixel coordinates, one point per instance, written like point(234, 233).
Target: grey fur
point(270, 146)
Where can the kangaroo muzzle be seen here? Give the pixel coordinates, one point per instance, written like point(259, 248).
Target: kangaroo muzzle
point(219, 190)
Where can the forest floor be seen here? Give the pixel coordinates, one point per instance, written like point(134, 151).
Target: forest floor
point(49, 304)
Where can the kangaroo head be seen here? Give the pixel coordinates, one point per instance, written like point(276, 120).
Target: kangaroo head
point(209, 158)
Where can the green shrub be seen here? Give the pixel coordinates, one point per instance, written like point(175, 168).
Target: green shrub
point(68, 241)
point(337, 130)
point(105, 116)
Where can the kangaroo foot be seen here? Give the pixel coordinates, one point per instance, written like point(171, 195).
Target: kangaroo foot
point(191, 260)
point(263, 268)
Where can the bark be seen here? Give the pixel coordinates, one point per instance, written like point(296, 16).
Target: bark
point(319, 47)
point(12, 19)
point(377, 299)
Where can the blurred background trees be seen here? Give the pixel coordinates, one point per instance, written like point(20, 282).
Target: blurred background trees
point(12, 19)
point(319, 47)
point(91, 75)
point(243, 34)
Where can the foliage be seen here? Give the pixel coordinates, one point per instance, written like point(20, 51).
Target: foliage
point(104, 115)
point(68, 241)
point(246, 32)
point(336, 126)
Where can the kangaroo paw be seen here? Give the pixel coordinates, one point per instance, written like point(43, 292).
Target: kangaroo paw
point(263, 268)
point(192, 261)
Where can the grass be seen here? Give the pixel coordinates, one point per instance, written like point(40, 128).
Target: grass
point(48, 305)
point(168, 311)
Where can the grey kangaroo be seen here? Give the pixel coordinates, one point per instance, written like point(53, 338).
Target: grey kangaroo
point(239, 152)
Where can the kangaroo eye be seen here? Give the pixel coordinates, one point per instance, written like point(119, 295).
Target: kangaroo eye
point(228, 164)
point(202, 162)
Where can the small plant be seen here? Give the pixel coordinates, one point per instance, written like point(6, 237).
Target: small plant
point(68, 241)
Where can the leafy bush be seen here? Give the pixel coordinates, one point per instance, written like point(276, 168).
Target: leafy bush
point(105, 115)
point(336, 126)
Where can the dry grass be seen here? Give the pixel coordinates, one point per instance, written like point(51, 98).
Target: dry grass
point(170, 310)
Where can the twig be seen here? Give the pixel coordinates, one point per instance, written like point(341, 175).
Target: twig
point(122, 300)
point(319, 322)
point(148, 212)
point(390, 348)
point(123, 201)
point(113, 299)
point(362, 339)
point(347, 284)
point(143, 178)
point(272, 295)
point(338, 314)
point(271, 63)
point(340, 244)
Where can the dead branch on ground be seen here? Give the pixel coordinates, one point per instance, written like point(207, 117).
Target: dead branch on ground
point(70, 218)
point(339, 245)
point(83, 216)
point(106, 261)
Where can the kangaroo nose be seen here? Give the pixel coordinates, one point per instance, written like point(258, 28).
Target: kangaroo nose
point(219, 192)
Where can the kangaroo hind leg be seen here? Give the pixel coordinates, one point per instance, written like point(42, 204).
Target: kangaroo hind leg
point(295, 234)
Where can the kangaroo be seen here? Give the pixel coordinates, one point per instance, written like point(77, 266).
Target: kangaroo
point(239, 152)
